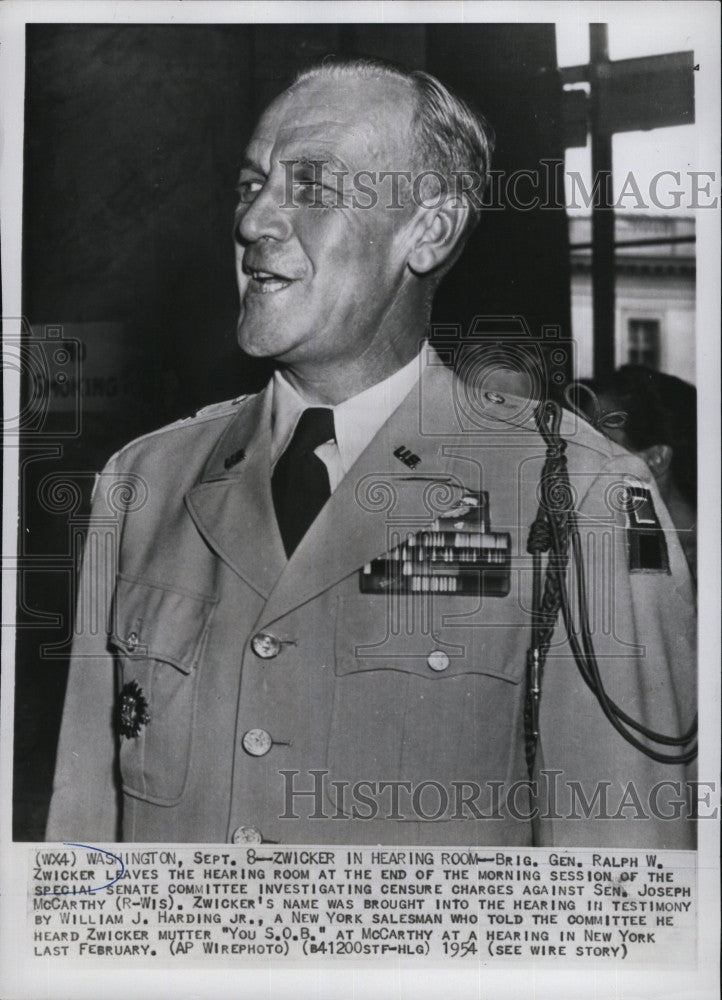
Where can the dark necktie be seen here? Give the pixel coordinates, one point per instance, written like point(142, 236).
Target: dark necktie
point(299, 483)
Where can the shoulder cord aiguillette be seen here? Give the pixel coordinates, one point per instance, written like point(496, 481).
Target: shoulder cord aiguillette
point(552, 530)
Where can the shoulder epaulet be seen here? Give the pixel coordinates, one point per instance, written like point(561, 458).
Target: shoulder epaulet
point(211, 412)
point(219, 409)
point(519, 411)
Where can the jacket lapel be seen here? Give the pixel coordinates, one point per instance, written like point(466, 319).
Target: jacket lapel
point(232, 505)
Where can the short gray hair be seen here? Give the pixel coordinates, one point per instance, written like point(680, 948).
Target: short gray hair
point(452, 138)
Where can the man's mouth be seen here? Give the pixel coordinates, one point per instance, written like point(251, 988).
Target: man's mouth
point(265, 281)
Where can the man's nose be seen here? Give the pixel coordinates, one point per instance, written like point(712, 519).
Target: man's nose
point(265, 216)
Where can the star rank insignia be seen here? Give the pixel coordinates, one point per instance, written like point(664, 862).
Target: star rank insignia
point(232, 460)
point(132, 713)
point(459, 554)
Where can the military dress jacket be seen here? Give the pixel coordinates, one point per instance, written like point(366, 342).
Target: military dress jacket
point(220, 692)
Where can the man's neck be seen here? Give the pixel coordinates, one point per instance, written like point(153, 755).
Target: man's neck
point(333, 384)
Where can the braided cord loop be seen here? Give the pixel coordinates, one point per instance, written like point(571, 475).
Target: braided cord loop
point(551, 525)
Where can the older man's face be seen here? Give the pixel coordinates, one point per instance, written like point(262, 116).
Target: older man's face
point(320, 276)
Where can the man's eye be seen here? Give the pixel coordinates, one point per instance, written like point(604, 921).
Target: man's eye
point(247, 190)
point(315, 192)
point(308, 186)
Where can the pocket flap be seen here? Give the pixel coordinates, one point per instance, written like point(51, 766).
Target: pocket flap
point(371, 634)
point(149, 620)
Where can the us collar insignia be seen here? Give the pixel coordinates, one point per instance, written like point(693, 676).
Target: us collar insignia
point(407, 456)
point(132, 713)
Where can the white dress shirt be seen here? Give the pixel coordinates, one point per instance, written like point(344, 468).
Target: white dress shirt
point(356, 420)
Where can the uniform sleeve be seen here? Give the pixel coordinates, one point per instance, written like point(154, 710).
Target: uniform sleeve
point(642, 617)
point(84, 803)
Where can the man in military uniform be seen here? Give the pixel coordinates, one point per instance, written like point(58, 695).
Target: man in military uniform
point(305, 616)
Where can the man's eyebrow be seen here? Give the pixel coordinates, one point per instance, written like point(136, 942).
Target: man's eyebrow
point(301, 158)
point(247, 163)
point(312, 156)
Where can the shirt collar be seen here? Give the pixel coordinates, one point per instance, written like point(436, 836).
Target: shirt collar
point(356, 420)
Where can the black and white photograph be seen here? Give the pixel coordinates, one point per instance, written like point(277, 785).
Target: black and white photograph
point(361, 507)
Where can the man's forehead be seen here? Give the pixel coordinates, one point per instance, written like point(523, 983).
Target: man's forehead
point(348, 120)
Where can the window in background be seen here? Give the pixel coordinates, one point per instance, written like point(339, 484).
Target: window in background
point(643, 342)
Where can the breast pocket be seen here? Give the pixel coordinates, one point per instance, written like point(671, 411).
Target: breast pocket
point(158, 636)
point(418, 700)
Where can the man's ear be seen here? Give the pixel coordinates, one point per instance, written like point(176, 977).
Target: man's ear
point(659, 459)
point(438, 235)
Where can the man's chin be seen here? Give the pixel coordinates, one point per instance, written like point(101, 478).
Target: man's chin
point(257, 342)
point(251, 346)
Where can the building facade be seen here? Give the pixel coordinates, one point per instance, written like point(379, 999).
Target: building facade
point(655, 293)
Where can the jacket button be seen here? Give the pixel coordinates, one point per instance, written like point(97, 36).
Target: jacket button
point(132, 641)
point(257, 742)
point(265, 645)
point(246, 835)
point(438, 660)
